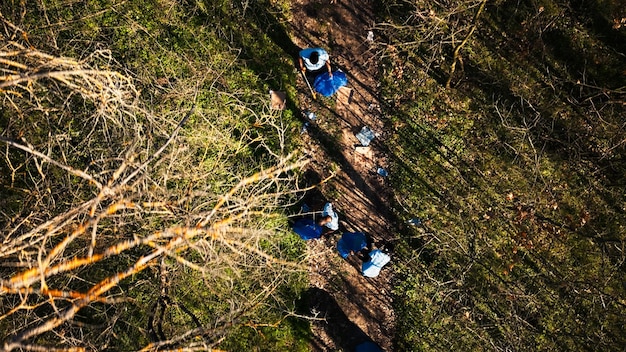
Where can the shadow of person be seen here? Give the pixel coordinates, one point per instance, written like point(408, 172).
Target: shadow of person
point(345, 334)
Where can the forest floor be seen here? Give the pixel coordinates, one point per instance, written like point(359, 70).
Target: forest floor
point(355, 308)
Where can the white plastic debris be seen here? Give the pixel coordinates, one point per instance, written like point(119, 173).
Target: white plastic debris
point(310, 115)
point(304, 128)
point(365, 136)
point(414, 222)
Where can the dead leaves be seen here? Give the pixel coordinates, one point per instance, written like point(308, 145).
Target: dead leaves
point(618, 23)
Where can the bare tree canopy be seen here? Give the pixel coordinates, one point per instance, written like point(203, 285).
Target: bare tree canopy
point(114, 213)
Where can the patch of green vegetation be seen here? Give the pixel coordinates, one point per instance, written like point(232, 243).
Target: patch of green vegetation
point(290, 334)
point(222, 57)
point(507, 172)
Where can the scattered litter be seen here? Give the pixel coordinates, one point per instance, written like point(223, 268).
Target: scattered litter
point(373, 106)
point(370, 36)
point(304, 128)
point(362, 150)
point(365, 136)
point(278, 100)
point(414, 222)
point(310, 115)
point(382, 172)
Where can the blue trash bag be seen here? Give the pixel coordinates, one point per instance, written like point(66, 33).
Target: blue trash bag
point(368, 346)
point(327, 86)
point(351, 241)
point(307, 229)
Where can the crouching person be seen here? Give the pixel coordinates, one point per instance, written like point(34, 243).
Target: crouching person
point(377, 259)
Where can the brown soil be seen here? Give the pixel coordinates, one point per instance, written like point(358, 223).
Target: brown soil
point(355, 308)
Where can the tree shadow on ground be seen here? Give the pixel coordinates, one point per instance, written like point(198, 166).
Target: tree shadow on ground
point(356, 181)
point(344, 333)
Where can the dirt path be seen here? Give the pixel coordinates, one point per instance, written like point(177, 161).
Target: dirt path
point(356, 308)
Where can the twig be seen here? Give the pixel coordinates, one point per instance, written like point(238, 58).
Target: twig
point(69, 169)
point(455, 57)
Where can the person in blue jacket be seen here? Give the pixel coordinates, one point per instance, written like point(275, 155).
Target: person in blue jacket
point(314, 60)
